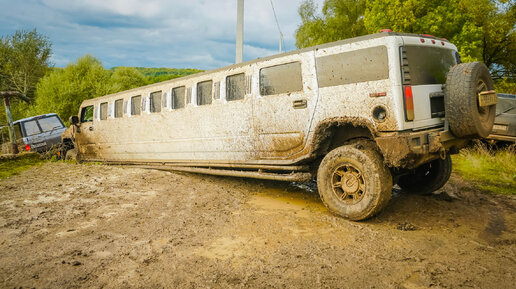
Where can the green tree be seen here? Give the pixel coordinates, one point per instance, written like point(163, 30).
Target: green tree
point(63, 90)
point(124, 78)
point(340, 19)
point(24, 59)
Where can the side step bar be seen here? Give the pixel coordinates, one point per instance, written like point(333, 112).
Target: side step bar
point(259, 174)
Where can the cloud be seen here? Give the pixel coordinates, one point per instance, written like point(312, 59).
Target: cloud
point(153, 33)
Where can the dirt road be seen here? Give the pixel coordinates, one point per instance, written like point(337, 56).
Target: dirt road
point(89, 226)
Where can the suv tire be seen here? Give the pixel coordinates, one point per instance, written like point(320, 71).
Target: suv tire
point(354, 182)
point(463, 83)
point(427, 178)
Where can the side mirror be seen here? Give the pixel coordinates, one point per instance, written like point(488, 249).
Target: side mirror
point(74, 120)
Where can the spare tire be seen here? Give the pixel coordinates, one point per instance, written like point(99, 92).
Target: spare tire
point(463, 84)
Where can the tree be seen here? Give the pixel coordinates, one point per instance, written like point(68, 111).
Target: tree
point(63, 90)
point(340, 19)
point(124, 78)
point(24, 59)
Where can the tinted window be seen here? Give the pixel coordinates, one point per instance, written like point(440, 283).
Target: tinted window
point(50, 123)
point(178, 97)
point(31, 127)
point(119, 108)
point(429, 65)
point(87, 113)
point(136, 105)
point(103, 110)
point(155, 101)
point(235, 87)
point(282, 78)
point(204, 90)
point(362, 65)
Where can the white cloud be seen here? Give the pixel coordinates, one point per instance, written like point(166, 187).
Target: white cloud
point(153, 33)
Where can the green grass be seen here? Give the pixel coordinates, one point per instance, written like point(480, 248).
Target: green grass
point(490, 170)
point(14, 165)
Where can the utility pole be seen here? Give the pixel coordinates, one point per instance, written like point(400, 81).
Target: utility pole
point(240, 31)
point(12, 137)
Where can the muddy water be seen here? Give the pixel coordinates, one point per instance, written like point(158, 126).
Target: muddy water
point(122, 228)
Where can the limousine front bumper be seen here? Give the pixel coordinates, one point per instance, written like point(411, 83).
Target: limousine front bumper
point(410, 149)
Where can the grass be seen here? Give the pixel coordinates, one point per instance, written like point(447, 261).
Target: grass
point(492, 170)
point(12, 165)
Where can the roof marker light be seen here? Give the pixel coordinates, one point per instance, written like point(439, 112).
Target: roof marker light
point(385, 30)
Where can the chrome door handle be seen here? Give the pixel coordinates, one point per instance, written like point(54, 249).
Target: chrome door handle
point(300, 103)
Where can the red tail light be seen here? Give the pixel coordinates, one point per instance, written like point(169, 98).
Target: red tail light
point(409, 103)
point(27, 147)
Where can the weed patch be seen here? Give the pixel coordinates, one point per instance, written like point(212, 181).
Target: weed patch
point(488, 169)
point(14, 164)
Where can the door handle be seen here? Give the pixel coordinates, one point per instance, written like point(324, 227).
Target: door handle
point(90, 128)
point(300, 103)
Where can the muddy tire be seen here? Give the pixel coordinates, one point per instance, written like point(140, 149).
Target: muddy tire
point(71, 155)
point(354, 182)
point(427, 178)
point(463, 83)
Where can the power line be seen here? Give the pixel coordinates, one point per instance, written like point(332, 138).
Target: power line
point(279, 29)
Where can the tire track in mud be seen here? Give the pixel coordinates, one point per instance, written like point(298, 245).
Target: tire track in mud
point(122, 227)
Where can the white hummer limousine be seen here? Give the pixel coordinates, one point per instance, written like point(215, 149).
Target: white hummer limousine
point(359, 115)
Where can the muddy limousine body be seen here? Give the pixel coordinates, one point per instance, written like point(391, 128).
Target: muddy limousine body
point(359, 115)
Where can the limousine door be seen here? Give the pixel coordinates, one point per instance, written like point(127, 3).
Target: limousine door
point(284, 105)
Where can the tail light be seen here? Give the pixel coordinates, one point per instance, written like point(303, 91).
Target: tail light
point(409, 103)
point(27, 147)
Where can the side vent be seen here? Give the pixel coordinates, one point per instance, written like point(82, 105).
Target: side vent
point(405, 71)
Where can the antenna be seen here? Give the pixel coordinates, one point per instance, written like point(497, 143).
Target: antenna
point(277, 23)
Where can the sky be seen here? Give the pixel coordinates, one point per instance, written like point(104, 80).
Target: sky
point(154, 33)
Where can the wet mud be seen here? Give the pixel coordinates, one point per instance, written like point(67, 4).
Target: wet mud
point(91, 226)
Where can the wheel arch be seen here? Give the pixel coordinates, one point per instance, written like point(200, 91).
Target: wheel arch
point(334, 132)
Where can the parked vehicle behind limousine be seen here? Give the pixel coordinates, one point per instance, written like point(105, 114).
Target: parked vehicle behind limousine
point(504, 128)
point(37, 133)
point(359, 115)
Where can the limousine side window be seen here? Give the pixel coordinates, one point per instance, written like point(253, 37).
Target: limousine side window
point(103, 111)
point(235, 87)
point(119, 108)
point(136, 105)
point(283, 78)
point(178, 97)
point(204, 90)
point(87, 113)
point(368, 64)
point(155, 101)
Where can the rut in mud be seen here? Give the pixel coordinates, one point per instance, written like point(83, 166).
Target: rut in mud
point(66, 225)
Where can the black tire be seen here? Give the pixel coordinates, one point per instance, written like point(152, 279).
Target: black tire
point(368, 184)
point(463, 83)
point(427, 178)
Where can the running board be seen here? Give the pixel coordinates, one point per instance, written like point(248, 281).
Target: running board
point(293, 176)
